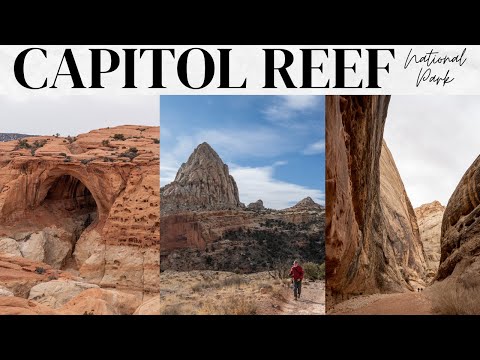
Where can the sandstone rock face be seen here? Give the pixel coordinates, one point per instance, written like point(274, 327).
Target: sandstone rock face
point(78, 203)
point(234, 238)
point(256, 206)
point(5, 292)
point(429, 219)
point(19, 275)
point(11, 305)
point(460, 241)
point(10, 246)
point(402, 242)
point(56, 293)
point(34, 247)
point(101, 302)
point(362, 244)
point(202, 183)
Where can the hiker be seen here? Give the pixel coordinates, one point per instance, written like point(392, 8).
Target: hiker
point(296, 272)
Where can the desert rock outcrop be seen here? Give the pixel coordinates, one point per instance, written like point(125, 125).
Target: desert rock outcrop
point(223, 234)
point(460, 241)
point(202, 183)
point(256, 206)
point(429, 219)
point(89, 204)
point(363, 244)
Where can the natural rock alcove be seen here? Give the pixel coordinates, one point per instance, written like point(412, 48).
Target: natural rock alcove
point(73, 209)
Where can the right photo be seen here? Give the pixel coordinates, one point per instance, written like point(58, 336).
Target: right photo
point(402, 205)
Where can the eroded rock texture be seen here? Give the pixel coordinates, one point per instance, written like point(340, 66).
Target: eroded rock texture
point(202, 183)
point(204, 225)
point(372, 239)
point(88, 204)
point(429, 219)
point(460, 241)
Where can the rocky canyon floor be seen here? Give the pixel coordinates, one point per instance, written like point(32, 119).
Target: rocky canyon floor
point(224, 293)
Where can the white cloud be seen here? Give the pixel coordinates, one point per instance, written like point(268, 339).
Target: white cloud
point(75, 114)
point(315, 148)
point(434, 140)
point(259, 183)
point(283, 109)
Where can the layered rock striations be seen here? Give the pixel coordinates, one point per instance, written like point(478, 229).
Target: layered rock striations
point(402, 239)
point(372, 238)
point(88, 204)
point(429, 219)
point(204, 225)
point(202, 183)
point(460, 240)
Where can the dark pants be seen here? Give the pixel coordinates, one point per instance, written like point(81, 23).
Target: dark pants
point(297, 287)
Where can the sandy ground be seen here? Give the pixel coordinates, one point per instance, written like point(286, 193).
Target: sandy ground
point(216, 292)
point(409, 303)
point(312, 301)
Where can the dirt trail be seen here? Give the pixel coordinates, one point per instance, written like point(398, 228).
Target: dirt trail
point(410, 303)
point(312, 301)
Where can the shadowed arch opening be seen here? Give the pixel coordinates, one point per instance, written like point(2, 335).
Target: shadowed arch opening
point(69, 208)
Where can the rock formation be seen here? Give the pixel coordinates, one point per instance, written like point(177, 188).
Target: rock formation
point(369, 218)
point(223, 234)
point(256, 206)
point(460, 241)
point(88, 204)
point(429, 219)
point(402, 241)
point(202, 183)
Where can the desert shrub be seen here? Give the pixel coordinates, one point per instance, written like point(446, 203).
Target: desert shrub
point(232, 305)
point(106, 143)
point(63, 154)
point(234, 280)
point(264, 285)
point(450, 298)
point(67, 159)
point(314, 271)
point(175, 309)
point(280, 270)
point(209, 260)
point(86, 161)
point(107, 159)
point(206, 284)
point(156, 141)
point(70, 139)
point(120, 137)
point(23, 144)
point(40, 270)
point(132, 153)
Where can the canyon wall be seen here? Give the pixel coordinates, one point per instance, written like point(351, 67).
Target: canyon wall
point(372, 239)
point(429, 218)
point(460, 241)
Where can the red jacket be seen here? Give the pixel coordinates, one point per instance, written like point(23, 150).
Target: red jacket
point(296, 272)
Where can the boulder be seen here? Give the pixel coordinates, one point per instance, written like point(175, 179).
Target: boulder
point(10, 246)
point(56, 293)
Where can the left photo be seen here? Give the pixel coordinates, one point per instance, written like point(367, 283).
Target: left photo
point(79, 205)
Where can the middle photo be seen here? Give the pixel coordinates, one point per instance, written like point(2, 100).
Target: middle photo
point(242, 205)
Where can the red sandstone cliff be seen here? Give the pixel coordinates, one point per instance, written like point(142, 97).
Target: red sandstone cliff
point(89, 204)
point(372, 238)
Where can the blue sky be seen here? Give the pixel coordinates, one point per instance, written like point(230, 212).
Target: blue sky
point(274, 145)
